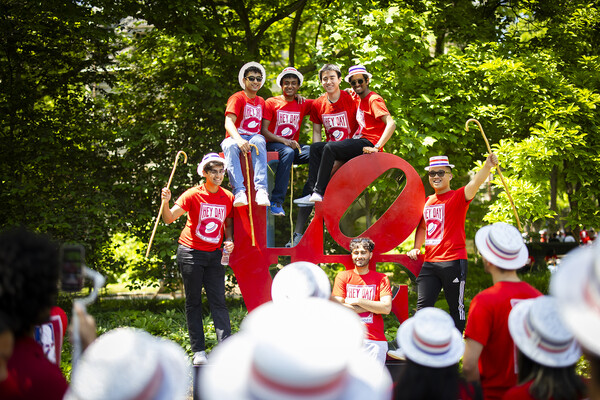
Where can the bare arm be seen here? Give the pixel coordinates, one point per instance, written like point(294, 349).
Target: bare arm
point(471, 360)
point(419, 240)
point(383, 306)
point(472, 187)
point(390, 127)
point(228, 243)
point(169, 215)
point(316, 132)
point(233, 132)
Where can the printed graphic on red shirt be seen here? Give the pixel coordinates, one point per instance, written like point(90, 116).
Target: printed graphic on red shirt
point(336, 125)
point(434, 223)
point(288, 123)
point(367, 292)
point(252, 119)
point(360, 118)
point(210, 221)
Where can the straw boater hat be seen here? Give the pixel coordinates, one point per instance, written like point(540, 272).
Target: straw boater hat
point(576, 285)
point(299, 280)
point(502, 245)
point(128, 363)
point(430, 338)
point(539, 333)
point(251, 64)
point(357, 70)
point(292, 71)
point(438, 161)
point(208, 158)
point(298, 350)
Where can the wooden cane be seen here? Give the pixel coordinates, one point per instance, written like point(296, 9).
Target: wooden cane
point(512, 203)
point(250, 200)
point(161, 202)
point(291, 205)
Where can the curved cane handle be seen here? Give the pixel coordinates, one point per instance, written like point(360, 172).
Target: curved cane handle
point(255, 148)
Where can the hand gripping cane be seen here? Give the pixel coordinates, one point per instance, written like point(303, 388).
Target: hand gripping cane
point(161, 202)
point(498, 169)
point(250, 200)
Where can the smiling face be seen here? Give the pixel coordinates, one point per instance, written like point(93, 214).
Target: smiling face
point(290, 85)
point(360, 84)
point(330, 81)
point(361, 256)
point(253, 81)
point(440, 184)
point(214, 173)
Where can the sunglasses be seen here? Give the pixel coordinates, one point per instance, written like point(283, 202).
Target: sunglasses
point(254, 78)
point(357, 82)
point(433, 174)
point(216, 171)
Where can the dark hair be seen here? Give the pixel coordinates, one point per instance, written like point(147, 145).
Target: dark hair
point(5, 322)
point(561, 383)
point(252, 68)
point(29, 271)
point(419, 382)
point(208, 166)
point(330, 67)
point(288, 76)
point(367, 243)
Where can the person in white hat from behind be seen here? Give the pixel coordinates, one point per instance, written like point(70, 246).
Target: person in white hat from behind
point(300, 280)
point(547, 353)
point(489, 349)
point(442, 230)
point(282, 121)
point(576, 285)
point(127, 363)
point(433, 347)
point(209, 210)
point(243, 119)
point(307, 349)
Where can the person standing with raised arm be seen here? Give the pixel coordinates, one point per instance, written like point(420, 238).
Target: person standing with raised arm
point(442, 230)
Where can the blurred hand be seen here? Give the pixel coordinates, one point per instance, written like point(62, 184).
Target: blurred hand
point(414, 254)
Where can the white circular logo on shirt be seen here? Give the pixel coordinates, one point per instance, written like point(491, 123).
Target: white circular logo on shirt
point(252, 124)
point(210, 227)
point(431, 227)
point(287, 131)
point(337, 135)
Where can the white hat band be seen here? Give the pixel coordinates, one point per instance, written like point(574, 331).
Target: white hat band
point(430, 348)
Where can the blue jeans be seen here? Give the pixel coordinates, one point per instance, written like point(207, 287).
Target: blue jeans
point(203, 268)
point(234, 167)
point(287, 157)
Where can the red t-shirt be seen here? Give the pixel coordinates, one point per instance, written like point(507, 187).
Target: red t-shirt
point(521, 392)
point(487, 324)
point(372, 286)
point(285, 117)
point(35, 375)
point(368, 116)
point(206, 217)
point(50, 334)
point(338, 119)
point(444, 224)
point(249, 112)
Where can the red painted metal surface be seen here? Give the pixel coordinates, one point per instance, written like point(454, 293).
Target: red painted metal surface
point(251, 263)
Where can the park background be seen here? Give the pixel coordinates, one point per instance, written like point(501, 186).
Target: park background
point(97, 97)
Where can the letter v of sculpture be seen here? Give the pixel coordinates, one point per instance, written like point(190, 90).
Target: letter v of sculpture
point(251, 263)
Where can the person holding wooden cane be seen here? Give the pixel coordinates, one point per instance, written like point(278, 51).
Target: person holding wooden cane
point(442, 230)
point(209, 221)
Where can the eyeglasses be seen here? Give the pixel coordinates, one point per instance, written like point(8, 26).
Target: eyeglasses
point(357, 82)
point(441, 173)
point(254, 78)
point(216, 171)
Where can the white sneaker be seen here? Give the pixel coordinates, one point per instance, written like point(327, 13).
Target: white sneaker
point(315, 198)
point(262, 198)
point(200, 358)
point(303, 201)
point(297, 237)
point(240, 199)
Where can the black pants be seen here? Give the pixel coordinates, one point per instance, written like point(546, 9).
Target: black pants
point(449, 275)
point(202, 268)
point(322, 157)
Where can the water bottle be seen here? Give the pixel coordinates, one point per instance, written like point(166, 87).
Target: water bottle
point(225, 257)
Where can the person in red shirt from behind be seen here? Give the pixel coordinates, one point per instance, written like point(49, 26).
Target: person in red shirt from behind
point(489, 349)
point(442, 229)
point(209, 210)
